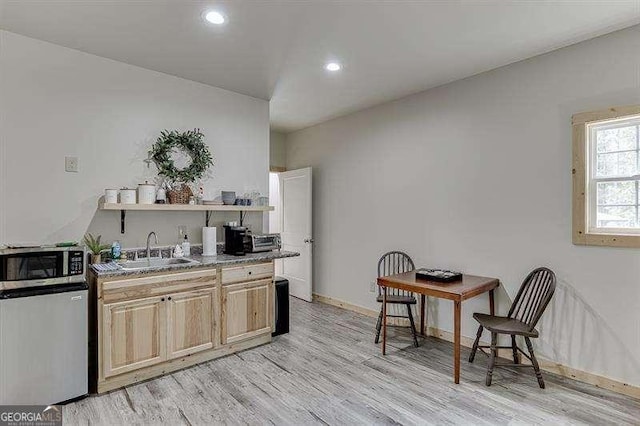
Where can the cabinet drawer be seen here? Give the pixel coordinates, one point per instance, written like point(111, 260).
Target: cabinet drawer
point(156, 285)
point(247, 273)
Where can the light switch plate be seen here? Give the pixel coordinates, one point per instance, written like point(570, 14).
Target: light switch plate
point(372, 288)
point(71, 164)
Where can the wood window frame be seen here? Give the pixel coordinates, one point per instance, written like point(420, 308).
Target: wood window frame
point(582, 235)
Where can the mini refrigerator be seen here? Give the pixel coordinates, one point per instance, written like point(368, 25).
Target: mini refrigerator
point(43, 345)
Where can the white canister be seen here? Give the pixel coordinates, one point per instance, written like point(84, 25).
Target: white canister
point(127, 196)
point(111, 196)
point(146, 193)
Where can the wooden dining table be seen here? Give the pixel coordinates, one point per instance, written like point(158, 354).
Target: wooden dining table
point(458, 291)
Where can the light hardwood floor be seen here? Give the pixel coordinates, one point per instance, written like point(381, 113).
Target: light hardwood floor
point(328, 371)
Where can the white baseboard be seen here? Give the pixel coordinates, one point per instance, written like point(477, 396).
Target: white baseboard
point(546, 365)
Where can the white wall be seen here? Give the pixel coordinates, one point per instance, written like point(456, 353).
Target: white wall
point(277, 149)
point(56, 101)
point(476, 176)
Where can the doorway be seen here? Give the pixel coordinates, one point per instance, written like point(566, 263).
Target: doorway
point(274, 215)
point(290, 194)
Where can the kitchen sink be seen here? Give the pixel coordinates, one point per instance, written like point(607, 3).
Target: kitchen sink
point(154, 262)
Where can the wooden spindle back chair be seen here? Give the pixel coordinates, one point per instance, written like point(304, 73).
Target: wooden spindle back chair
point(526, 310)
point(391, 263)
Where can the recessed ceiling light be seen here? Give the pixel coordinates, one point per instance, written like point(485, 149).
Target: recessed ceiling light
point(333, 66)
point(215, 17)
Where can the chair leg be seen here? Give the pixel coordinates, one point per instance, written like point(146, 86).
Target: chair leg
point(514, 349)
point(474, 349)
point(534, 361)
point(492, 358)
point(378, 327)
point(413, 326)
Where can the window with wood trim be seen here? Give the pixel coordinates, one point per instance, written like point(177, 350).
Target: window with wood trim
point(606, 177)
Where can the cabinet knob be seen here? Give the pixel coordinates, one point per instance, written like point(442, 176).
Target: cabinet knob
point(169, 298)
point(249, 272)
point(162, 300)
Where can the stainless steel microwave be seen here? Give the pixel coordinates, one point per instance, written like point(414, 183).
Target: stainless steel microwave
point(41, 266)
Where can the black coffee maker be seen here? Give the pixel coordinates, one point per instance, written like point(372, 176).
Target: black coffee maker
point(234, 240)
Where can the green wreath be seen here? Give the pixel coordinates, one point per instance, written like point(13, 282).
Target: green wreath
point(192, 143)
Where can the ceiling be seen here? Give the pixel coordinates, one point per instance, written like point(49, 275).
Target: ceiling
point(276, 50)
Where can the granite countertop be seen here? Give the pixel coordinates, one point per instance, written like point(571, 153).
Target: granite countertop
point(203, 261)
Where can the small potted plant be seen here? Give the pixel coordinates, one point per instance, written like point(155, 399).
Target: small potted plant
point(94, 246)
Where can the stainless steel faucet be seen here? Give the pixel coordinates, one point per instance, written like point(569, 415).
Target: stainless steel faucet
point(149, 243)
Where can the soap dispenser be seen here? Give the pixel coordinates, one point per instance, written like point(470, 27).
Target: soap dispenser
point(186, 246)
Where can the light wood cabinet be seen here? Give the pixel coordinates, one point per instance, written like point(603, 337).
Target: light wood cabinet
point(152, 324)
point(134, 335)
point(191, 322)
point(246, 310)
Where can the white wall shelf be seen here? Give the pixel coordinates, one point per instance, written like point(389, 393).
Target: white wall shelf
point(184, 207)
point(208, 209)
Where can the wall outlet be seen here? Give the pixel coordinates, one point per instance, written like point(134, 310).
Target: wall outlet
point(71, 164)
point(372, 287)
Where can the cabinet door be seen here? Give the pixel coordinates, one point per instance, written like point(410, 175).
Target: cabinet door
point(134, 335)
point(246, 310)
point(190, 321)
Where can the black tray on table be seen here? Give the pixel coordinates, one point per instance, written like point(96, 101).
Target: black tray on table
point(439, 275)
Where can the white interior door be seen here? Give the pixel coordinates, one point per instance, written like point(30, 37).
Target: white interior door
point(296, 230)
